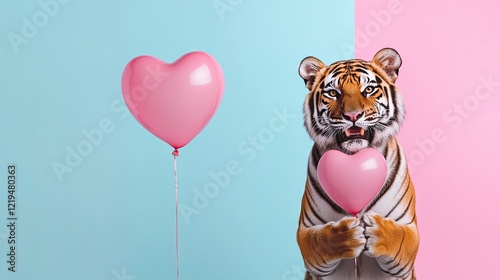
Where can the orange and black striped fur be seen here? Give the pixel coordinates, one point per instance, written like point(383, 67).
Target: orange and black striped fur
point(352, 105)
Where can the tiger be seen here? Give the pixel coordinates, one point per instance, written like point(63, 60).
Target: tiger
point(352, 105)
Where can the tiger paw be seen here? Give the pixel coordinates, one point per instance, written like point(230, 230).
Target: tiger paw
point(343, 239)
point(383, 236)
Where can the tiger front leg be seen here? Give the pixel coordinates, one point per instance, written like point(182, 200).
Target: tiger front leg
point(393, 245)
point(324, 246)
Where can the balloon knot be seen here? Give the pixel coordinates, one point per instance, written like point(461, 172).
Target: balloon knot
point(175, 153)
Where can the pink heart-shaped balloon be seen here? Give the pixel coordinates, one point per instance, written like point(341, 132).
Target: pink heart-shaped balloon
point(173, 101)
point(352, 181)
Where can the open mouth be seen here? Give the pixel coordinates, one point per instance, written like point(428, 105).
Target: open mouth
point(355, 132)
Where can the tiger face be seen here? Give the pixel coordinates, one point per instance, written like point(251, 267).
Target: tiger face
point(352, 104)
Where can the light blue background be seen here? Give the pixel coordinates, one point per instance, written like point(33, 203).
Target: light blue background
point(113, 216)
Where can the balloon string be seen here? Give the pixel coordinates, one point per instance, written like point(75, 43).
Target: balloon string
point(356, 268)
point(356, 261)
point(175, 153)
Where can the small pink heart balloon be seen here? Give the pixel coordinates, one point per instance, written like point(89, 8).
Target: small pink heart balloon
point(173, 101)
point(352, 181)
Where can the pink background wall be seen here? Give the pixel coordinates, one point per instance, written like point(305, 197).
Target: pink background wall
point(451, 84)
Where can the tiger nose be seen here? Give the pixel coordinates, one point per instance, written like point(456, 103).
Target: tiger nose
point(352, 116)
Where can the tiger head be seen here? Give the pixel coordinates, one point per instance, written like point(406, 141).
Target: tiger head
point(352, 104)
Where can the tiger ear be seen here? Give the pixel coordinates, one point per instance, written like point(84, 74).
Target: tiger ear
point(308, 69)
point(389, 60)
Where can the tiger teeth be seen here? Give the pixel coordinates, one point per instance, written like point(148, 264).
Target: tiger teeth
point(349, 133)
